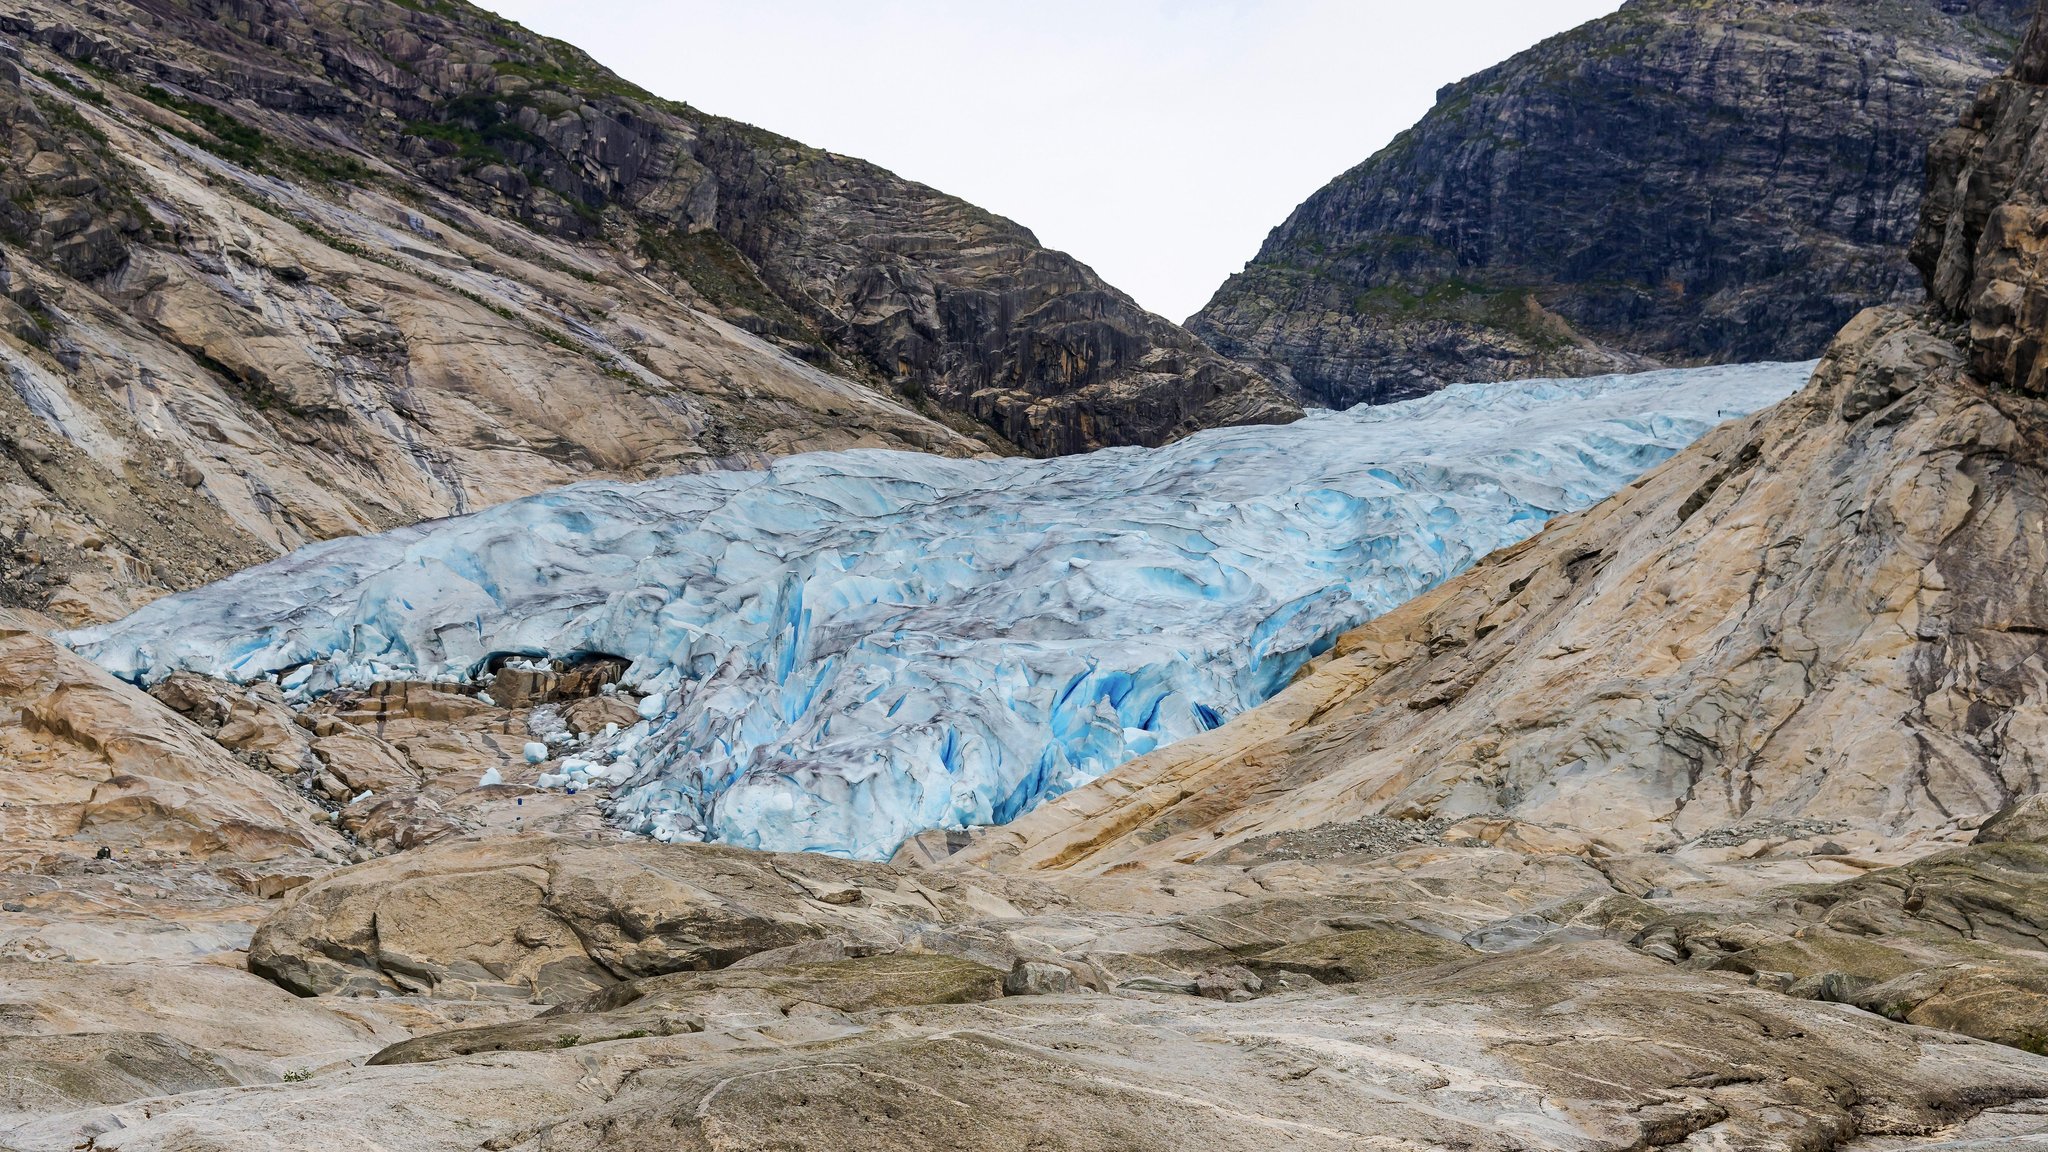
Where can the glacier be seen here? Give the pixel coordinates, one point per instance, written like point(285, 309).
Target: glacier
point(847, 648)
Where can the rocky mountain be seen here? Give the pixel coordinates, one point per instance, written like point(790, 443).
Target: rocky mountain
point(1710, 817)
point(1679, 182)
point(277, 272)
point(1830, 611)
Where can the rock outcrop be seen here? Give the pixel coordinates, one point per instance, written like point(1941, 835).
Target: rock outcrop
point(1551, 1040)
point(557, 919)
point(95, 762)
point(299, 272)
point(1678, 182)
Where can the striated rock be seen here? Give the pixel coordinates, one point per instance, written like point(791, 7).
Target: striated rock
point(253, 1028)
point(1039, 978)
point(554, 918)
point(1517, 1035)
point(693, 1001)
point(56, 1074)
point(2006, 1004)
point(1361, 954)
point(2024, 822)
point(1954, 940)
point(94, 762)
point(1569, 211)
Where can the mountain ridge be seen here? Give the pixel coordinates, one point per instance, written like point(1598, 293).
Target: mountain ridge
point(1674, 183)
point(278, 272)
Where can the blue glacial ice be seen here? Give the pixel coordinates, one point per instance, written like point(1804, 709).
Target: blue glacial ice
point(850, 647)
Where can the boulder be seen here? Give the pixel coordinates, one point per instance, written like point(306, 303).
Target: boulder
point(365, 763)
point(552, 918)
point(2022, 822)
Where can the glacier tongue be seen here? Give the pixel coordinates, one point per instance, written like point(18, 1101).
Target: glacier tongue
point(850, 647)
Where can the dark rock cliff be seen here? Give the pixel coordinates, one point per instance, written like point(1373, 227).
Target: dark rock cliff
point(1983, 238)
point(1679, 182)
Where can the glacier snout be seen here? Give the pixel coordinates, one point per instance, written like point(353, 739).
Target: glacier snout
point(850, 647)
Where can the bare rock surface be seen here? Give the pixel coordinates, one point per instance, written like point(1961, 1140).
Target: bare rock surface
point(555, 918)
point(729, 999)
point(96, 762)
point(1495, 1057)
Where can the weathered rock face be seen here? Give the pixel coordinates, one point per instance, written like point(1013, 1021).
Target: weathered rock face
point(1983, 240)
point(554, 919)
point(943, 299)
point(94, 762)
point(1827, 612)
point(292, 272)
point(1679, 182)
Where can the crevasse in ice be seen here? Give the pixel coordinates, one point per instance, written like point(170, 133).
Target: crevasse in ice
point(850, 647)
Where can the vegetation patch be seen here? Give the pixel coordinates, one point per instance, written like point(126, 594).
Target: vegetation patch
point(719, 273)
point(1512, 309)
point(239, 142)
point(63, 82)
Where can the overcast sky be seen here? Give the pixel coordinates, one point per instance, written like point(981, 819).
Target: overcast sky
point(1157, 140)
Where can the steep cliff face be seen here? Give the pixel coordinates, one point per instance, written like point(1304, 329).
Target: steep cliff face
point(1679, 182)
point(1983, 239)
point(1832, 614)
point(274, 272)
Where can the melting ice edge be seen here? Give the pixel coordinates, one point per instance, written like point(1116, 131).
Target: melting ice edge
point(851, 647)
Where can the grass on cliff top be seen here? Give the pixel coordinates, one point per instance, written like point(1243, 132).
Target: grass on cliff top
point(239, 142)
point(1510, 309)
point(716, 269)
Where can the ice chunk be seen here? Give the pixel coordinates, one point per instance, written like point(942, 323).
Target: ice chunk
point(846, 648)
point(491, 776)
point(545, 722)
point(536, 752)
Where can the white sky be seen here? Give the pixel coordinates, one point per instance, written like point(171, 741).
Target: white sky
point(1156, 140)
